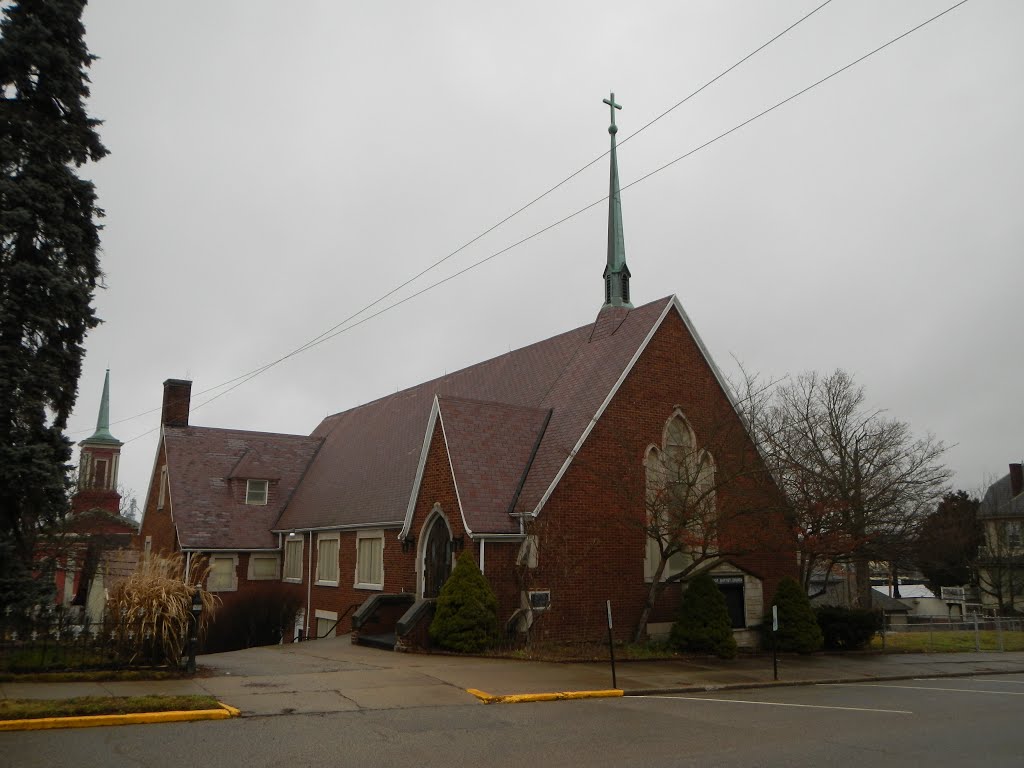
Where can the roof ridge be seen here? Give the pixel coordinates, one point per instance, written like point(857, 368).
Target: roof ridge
point(481, 363)
point(233, 431)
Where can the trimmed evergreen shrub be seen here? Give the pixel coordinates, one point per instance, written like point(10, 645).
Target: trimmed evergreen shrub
point(847, 629)
point(703, 624)
point(798, 627)
point(466, 616)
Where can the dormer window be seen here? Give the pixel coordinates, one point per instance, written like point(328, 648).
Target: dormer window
point(256, 492)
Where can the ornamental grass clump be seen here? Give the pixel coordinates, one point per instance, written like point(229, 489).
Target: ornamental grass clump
point(149, 613)
point(466, 617)
point(703, 625)
point(798, 627)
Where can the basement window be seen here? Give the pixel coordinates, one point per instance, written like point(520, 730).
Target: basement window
point(256, 492)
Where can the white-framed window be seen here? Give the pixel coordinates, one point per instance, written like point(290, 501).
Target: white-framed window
point(370, 560)
point(263, 567)
point(162, 493)
point(223, 573)
point(293, 559)
point(327, 559)
point(256, 492)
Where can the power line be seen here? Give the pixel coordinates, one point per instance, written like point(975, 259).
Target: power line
point(243, 378)
point(337, 330)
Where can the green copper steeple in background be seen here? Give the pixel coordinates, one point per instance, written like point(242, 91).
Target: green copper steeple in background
point(616, 273)
point(102, 433)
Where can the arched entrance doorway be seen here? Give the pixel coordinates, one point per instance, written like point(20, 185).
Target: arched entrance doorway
point(437, 557)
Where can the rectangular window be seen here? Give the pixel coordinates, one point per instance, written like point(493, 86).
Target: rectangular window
point(1013, 528)
point(148, 546)
point(162, 493)
point(293, 559)
point(263, 567)
point(327, 559)
point(256, 492)
point(99, 477)
point(370, 560)
point(223, 577)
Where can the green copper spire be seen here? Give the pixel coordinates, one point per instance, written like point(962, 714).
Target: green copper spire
point(616, 273)
point(102, 433)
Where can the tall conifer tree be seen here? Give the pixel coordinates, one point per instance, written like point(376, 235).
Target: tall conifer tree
point(49, 266)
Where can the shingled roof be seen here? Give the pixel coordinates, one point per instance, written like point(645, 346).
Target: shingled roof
point(368, 466)
point(201, 464)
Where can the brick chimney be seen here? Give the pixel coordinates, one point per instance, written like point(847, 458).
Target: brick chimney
point(1016, 479)
point(177, 399)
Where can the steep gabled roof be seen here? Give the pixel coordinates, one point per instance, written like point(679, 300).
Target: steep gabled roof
point(367, 468)
point(202, 465)
point(490, 447)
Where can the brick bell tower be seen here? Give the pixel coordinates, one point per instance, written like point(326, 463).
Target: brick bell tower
point(98, 464)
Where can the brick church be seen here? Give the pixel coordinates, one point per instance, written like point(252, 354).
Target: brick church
point(541, 462)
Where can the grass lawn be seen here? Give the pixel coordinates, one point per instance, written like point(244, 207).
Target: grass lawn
point(31, 709)
point(922, 641)
point(93, 676)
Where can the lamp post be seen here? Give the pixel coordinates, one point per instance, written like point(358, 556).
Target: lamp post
point(193, 636)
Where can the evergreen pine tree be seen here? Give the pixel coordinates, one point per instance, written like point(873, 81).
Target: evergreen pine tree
point(466, 617)
point(49, 266)
point(798, 626)
point(703, 624)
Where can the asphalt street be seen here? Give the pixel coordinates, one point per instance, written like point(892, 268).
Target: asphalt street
point(935, 722)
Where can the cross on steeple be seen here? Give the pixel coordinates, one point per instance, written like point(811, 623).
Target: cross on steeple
point(612, 107)
point(616, 273)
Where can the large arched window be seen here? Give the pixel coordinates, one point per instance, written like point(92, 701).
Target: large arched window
point(681, 512)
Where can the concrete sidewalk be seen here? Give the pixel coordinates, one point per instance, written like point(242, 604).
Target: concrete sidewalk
point(332, 675)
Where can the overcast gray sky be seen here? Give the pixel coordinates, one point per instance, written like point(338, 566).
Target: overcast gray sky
point(276, 167)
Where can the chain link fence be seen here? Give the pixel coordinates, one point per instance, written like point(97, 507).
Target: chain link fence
point(941, 634)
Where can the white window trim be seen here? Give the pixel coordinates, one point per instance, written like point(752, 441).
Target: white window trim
point(234, 573)
point(266, 493)
point(161, 498)
point(371, 534)
point(301, 541)
point(251, 575)
point(327, 537)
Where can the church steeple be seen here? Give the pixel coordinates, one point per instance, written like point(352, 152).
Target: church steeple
point(98, 464)
point(616, 273)
point(102, 433)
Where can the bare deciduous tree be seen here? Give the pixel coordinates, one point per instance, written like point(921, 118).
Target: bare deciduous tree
point(858, 482)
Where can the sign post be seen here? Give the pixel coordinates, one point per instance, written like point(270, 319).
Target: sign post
point(611, 645)
point(775, 641)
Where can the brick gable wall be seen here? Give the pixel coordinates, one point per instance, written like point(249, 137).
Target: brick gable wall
point(591, 538)
point(157, 522)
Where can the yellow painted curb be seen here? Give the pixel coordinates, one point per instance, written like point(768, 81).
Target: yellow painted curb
point(522, 698)
point(137, 718)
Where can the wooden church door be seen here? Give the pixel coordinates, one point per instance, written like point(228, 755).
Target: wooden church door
point(437, 558)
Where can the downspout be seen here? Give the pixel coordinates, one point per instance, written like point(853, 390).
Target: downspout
point(188, 565)
point(309, 584)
